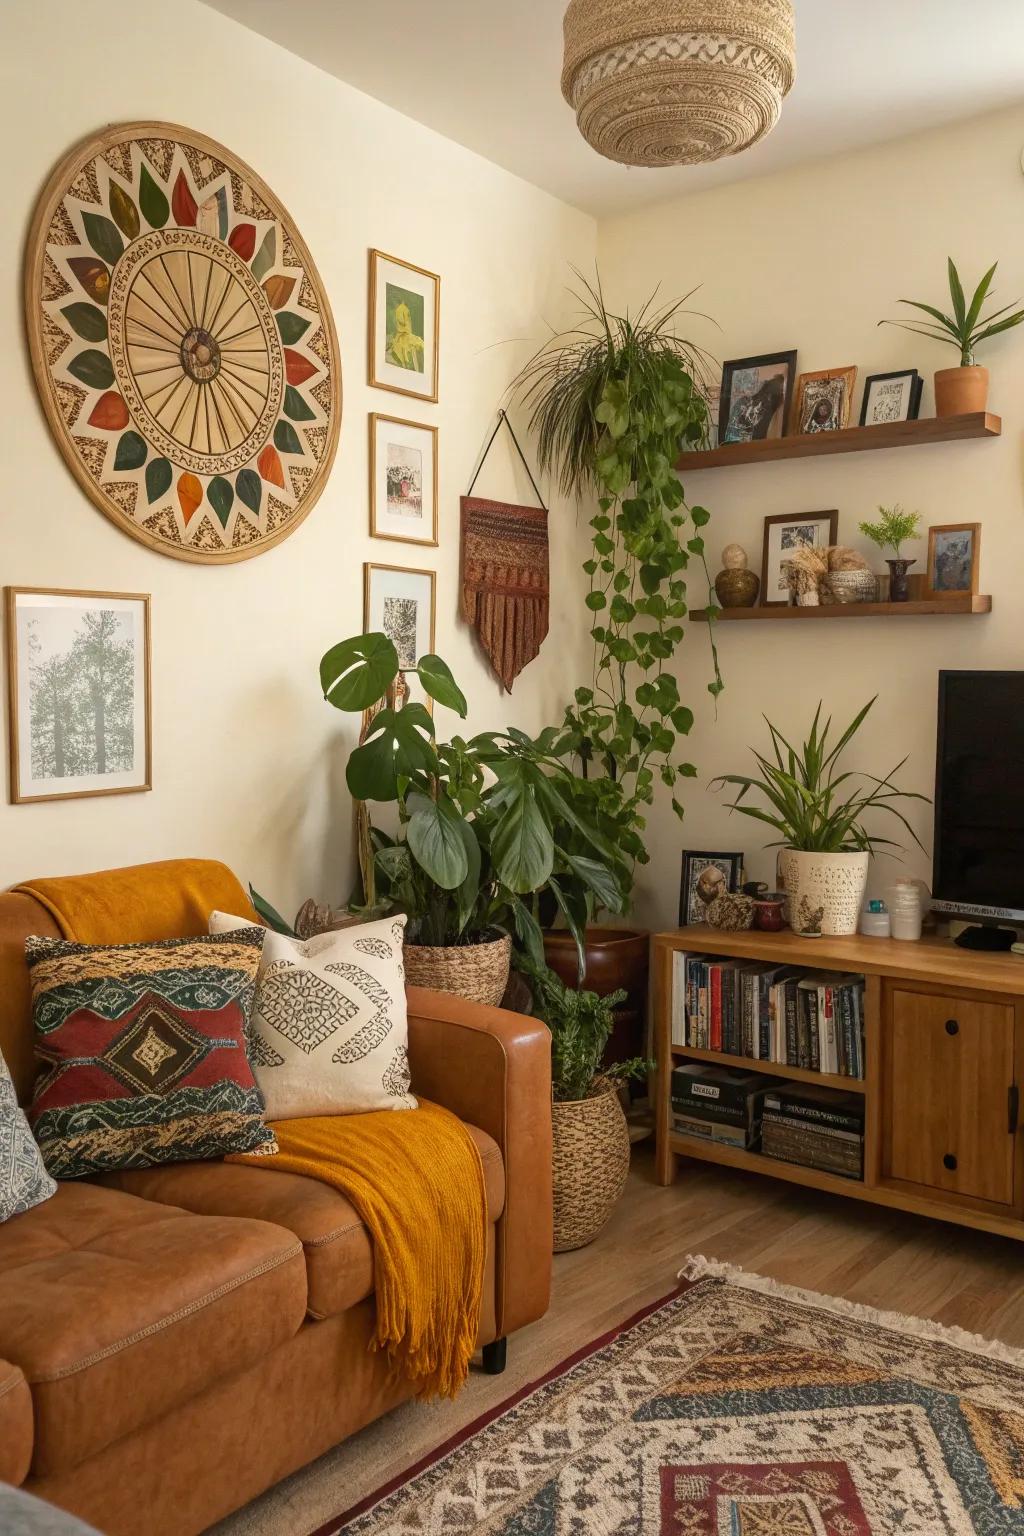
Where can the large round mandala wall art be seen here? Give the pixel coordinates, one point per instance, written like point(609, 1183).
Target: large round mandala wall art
point(182, 343)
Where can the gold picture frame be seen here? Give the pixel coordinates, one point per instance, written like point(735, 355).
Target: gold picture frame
point(407, 661)
point(386, 523)
point(416, 312)
point(823, 401)
point(29, 755)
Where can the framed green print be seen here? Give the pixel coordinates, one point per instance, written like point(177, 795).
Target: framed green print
point(404, 311)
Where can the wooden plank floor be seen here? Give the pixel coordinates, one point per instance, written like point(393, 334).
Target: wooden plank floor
point(866, 1253)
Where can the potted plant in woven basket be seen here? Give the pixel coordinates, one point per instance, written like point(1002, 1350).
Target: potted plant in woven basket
point(590, 1136)
point(819, 813)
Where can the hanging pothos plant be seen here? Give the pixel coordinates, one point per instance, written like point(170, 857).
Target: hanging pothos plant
point(613, 403)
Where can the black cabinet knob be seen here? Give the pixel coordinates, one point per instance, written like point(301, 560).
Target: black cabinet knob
point(949, 1161)
point(952, 1027)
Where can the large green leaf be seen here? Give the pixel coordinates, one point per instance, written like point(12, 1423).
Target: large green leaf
point(356, 673)
point(434, 834)
point(521, 843)
point(436, 677)
point(398, 744)
point(468, 892)
point(598, 878)
point(272, 918)
point(528, 931)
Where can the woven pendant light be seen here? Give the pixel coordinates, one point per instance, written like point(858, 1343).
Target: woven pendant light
point(676, 82)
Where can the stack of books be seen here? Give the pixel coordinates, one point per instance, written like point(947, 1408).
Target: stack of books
point(774, 1013)
point(718, 1104)
point(814, 1126)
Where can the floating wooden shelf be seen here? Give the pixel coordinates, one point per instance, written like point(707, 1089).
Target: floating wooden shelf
point(944, 606)
point(771, 1068)
point(808, 445)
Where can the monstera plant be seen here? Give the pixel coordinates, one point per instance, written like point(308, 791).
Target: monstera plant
point(484, 825)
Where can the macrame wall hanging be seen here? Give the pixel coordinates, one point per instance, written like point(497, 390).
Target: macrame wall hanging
point(505, 582)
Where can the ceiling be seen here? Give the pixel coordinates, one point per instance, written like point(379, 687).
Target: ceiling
point(486, 74)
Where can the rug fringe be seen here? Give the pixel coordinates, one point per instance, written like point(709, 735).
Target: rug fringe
point(697, 1267)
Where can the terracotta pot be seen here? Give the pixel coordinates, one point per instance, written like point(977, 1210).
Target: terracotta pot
point(615, 957)
point(590, 1162)
point(958, 391)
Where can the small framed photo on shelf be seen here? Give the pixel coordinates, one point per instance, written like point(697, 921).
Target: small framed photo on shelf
point(954, 551)
point(403, 480)
point(404, 309)
point(703, 877)
point(78, 676)
point(784, 534)
point(824, 401)
point(755, 397)
point(891, 397)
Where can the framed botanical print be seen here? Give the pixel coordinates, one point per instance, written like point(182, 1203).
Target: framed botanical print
point(405, 304)
point(703, 877)
point(78, 675)
point(891, 397)
point(755, 397)
point(784, 534)
point(403, 480)
point(400, 603)
point(823, 401)
point(954, 552)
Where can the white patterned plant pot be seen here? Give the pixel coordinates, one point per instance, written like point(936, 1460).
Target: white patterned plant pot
point(824, 891)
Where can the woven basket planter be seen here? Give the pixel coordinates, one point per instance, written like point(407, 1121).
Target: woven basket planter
point(590, 1152)
point(476, 971)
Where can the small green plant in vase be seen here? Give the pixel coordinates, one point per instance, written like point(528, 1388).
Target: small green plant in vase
point(959, 391)
point(893, 529)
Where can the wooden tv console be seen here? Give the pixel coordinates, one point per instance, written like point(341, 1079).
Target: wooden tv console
point(944, 1051)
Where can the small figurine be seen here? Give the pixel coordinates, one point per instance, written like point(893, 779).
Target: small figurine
point(735, 585)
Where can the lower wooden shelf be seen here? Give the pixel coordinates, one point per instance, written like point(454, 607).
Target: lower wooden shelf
point(964, 603)
point(756, 1162)
point(771, 1068)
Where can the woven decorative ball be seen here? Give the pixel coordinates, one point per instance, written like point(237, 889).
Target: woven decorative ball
point(676, 82)
point(590, 1151)
point(476, 971)
point(853, 586)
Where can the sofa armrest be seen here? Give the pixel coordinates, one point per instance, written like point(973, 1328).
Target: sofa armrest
point(493, 1068)
point(16, 1425)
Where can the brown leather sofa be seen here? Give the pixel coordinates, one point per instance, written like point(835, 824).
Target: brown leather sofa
point(175, 1340)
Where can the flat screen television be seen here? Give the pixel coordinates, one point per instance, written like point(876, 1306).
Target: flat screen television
point(979, 796)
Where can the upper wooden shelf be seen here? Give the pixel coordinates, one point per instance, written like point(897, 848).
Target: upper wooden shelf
point(958, 602)
point(808, 445)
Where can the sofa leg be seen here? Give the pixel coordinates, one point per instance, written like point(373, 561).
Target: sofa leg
point(495, 1356)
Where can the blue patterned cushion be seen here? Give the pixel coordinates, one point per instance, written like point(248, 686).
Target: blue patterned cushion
point(24, 1181)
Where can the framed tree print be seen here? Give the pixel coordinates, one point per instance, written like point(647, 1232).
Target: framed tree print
point(182, 343)
point(404, 311)
point(400, 603)
point(403, 480)
point(78, 675)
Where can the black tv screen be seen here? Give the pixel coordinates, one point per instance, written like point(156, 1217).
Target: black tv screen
point(979, 795)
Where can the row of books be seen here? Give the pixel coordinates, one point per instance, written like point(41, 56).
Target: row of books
point(769, 1012)
point(802, 1123)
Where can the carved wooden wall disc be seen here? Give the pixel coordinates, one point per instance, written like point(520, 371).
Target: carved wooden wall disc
point(182, 343)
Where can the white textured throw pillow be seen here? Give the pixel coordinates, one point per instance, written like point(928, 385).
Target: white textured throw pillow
point(329, 1031)
point(24, 1181)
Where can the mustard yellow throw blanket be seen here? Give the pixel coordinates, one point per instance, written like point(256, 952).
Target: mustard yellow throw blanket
point(416, 1180)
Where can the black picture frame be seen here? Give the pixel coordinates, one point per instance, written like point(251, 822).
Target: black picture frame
point(768, 360)
point(694, 862)
point(917, 387)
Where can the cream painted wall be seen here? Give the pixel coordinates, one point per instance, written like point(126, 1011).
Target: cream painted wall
point(248, 760)
point(812, 259)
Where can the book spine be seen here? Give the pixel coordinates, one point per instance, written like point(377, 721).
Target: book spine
point(858, 1025)
point(773, 1117)
point(707, 1130)
point(702, 1111)
point(803, 1041)
point(812, 1031)
point(792, 1048)
point(702, 1008)
point(764, 1023)
point(716, 1007)
point(849, 1046)
point(678, 1034)
point(747, 993)
point(810, 1114)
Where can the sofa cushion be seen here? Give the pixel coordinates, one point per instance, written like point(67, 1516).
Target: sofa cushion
point(339, 1254)
point(15, 1424)
point(117, 1309)
point(24, 1181)
point(145, 1051)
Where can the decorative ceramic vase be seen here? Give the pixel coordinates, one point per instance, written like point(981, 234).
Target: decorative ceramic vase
point(735, 585)
point(853, 586)
point(899, 584)
point(770, 912)
point(824, 892)
point(590, 1160)
point(959, 391)
point(477, 971)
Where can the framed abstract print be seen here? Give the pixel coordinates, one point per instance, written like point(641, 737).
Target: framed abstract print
point(755, 397)
point(891, 397)
point(784, 534)
point(954, 553)
point(399, 603)
point(78, 676)
point(405, 303)
point(823, 401)
point(403, 480)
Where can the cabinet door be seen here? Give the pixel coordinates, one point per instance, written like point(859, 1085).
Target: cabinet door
point(949, 1069)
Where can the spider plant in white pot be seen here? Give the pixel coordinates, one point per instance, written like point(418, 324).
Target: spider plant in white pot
point(819, 813)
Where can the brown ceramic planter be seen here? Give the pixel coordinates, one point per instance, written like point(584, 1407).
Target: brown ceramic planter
point(615, 957)
point(958, 391)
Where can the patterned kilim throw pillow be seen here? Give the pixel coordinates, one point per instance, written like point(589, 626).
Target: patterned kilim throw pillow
point(330, 1034)
point(24, 1181)
point(144, 1047)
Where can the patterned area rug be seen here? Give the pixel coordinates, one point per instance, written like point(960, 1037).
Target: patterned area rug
point(739, 1407)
